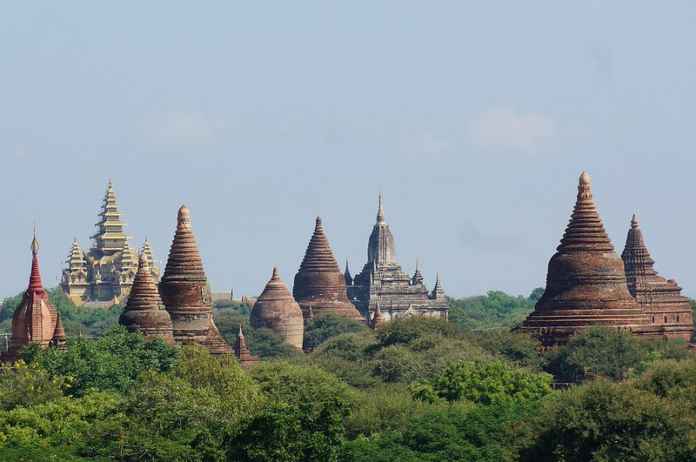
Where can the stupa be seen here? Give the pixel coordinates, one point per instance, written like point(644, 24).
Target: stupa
point(35, 320)
point(242, 353)
point(383, 283)
point(145, 312)
point(669, 311)
point(185, 293)
point(586, 284)
point(105, 273)
point(277, 310)
point(319, 285)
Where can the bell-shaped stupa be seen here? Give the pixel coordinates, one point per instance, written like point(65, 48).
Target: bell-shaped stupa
point(185, 293)
point(319, 284)
point(275, 309)
point(586, 284)
point(669, 311)
point(145, 312)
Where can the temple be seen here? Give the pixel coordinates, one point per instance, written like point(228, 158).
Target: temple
point(145, 312)
point(36, 320)
point(586, 283)
point(185, 292)
point(382, 282)
point(319, 286)
point(275, 309)
point(242, 353)
point(669, 311)
point(105, 274)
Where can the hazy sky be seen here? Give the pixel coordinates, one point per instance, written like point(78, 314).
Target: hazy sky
point(474, 118)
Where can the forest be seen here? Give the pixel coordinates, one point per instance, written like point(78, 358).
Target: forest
point(471, 389)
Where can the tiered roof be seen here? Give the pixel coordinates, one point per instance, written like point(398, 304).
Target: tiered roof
point(110, 237)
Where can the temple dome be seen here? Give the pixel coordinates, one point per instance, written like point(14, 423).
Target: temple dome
point(275, 309)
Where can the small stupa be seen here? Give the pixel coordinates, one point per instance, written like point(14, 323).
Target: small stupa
point(35, 320)
point(586, 284)
point(277, 310)
point(319, 283)
point(185, 293)
point(241, 351)
point(669, 311)
point(145, 312)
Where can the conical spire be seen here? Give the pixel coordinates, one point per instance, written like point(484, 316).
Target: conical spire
point(417, 275)
point(636, 256)
point(438, 292)
point(585, 230)
point(241, 351)
point(380, 210)
point(59, 334)
point(277, 310)
point(347, 276)
point(319, 256)
point(184, 261)
point(377, 318)
point(35, 276)
point(319, 281)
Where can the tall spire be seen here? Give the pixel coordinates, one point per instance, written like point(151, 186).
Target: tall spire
point(35, 276)
point(438, 292)
point(417, 275)
point(380, 209)
point(110, 236)
point(346, 274)
point(184, 262)
point(636, 255)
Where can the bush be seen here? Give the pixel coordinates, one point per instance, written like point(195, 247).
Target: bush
point(322, 328)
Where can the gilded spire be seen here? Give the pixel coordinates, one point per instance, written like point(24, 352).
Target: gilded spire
point(34, 244)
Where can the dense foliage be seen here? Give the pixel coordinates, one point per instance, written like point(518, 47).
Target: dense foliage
point(412, 390)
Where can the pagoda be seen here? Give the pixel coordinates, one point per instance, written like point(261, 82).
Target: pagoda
point(586, 283)
point(275, 309)
point(669, 311)
point(319, 287)
point(36, 320)
point(185, 292)
point(383, 283)
point(145, 312)
point(106, 272)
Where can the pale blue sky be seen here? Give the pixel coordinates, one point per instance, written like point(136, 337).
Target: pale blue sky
point(474, 118)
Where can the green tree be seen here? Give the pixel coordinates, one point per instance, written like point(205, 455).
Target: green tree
point(27, 385)
point(322, 328)
point(489, 382)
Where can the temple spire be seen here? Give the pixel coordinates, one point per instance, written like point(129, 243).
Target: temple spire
point(380, 209)
point(35, 276)
point(346, 274)
point(438, 292)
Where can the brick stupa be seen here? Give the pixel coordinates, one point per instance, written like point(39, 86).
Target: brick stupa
point(586, 284)
point(145, 312)
point(242, 353)
point(35, 320)
point(669, 311)
point(319, 285)
point(185, 293)
point(275, 309)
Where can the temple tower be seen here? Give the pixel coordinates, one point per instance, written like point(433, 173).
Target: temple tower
point(110, 237)
point(185, 293)
point(75, 276)
point(669, 311)
point(383, 282)
point(145, 312)
point(319, 282)
point(35, 321)
point(275, 309)
point(586, 284)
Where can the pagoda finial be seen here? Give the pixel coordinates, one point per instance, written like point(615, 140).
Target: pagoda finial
point(380, 209)
point(241, 333)
point(274, 276)
point(184, 218)
point(585, 186)
point(634, 221)
point(34, 243)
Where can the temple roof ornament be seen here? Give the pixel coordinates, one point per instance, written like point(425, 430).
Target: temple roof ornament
point(381, 249)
